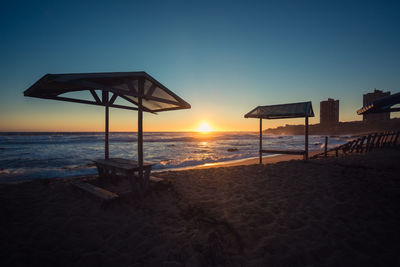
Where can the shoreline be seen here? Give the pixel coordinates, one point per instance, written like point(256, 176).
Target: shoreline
point(240, 162)
point(275, 158)
point(250, 161)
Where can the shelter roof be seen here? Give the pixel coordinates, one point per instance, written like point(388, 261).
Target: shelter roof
point(282, 111)
point(383, 104)
point(127, 85)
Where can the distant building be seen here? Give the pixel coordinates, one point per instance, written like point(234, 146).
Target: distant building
point(329, 113)
point(377, 118)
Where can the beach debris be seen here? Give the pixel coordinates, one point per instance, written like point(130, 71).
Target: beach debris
point(233, 149)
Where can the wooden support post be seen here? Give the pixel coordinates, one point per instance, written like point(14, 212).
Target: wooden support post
point(106, 104)
point(306, 140)
point(377, 144)
point(395, 139)
point(260, 141)
point(140, 129)
point(360, 145)
point(392, 135)
point(326, 147)
point(354, 145)
point(368, 143)
point(386, 138)
point(382, 139)
point(372, 144)
point(346, 147)
point(389, 139)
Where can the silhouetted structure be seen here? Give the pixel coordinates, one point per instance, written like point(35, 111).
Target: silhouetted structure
point(379, 118)
point(381, 105)
point(343, 128)
point(329, 113)
point(283, 111)
point(141, 92)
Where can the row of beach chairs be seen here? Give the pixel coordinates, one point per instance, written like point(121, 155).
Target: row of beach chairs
point(366, 143)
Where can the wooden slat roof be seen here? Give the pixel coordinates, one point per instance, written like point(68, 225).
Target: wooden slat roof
point(282, 111)
point(156, 97)
point(383, 104)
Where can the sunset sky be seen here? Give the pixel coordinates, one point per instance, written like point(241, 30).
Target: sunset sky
point(222, 57)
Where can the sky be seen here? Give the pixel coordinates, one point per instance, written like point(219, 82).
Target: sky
point(222, 57)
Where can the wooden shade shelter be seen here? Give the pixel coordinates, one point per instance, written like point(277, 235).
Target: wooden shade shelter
point(139, 89)
point(283, 111)
point(380, 105)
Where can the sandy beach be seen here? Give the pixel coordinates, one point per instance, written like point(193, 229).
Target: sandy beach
point(324, 212)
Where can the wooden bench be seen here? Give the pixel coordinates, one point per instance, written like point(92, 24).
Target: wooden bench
point(96, 191)
point(114, 168)
point(289, 152)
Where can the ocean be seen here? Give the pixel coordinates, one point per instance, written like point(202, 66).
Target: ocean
point(35, 155)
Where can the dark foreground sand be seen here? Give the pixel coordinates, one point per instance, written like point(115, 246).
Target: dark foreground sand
point(326, 212)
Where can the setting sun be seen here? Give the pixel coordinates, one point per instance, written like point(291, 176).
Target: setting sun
point(204, 128)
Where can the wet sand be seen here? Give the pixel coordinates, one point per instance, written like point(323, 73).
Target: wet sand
point(324, 212)
point(265, 160)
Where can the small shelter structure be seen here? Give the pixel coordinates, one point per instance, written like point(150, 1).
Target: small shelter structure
point(381, 105)
point(141, 91)
point(283, 111)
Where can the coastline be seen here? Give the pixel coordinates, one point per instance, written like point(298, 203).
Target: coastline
point(45, 157)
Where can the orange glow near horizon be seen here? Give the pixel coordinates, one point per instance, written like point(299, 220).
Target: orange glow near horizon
point(68, 118)
point(204, 127)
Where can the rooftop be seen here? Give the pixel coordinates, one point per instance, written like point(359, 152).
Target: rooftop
point(126, 85)
point(282, 111)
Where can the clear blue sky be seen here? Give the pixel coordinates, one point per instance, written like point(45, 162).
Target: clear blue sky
point(223, 57)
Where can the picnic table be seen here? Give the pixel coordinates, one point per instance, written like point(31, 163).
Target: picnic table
point(113, 168)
